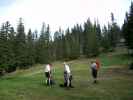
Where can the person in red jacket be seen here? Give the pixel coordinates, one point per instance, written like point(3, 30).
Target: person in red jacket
point(98, 64)
point(95, 65)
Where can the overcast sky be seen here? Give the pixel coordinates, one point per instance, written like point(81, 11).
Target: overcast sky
point(61, 13)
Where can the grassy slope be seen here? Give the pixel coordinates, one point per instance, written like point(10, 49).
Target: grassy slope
point(115, 82)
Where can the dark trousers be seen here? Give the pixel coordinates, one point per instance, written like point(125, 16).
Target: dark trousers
point(66, 79)
point(94, 73)
point(47, 74)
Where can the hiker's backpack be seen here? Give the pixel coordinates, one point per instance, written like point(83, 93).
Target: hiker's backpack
point(98, 64)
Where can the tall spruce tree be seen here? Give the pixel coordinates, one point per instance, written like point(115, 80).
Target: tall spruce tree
point(75, 42)
point(7, 57)
point(11, 47)
point(43, 45)
point(35, 45)
point(105, 39)
point(87, 31)
point(4, 47)
point(30, 48)
point(48, 43)
point(114, 32)
point(21, 51)
point(58, 44)
point(90, 39)
point(67, 44)
point(98, 34)
point(128, 28)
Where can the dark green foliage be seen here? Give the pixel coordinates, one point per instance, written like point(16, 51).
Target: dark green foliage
point(111, 35)
point(98, 34)
point(30, 48)
point(20, 49)
point(7, 56)
point(128, 28)
point(128, 31)
point(90, 39)
point(75, 42)
point(42, 46)
point(114, 32)
point(78, 41)
point(105, 39)
point(68, 46)
point(58, 52)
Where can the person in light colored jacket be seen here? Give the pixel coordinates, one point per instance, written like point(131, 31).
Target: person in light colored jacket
point(67, 75)
point(48, 73)
point(94, 70)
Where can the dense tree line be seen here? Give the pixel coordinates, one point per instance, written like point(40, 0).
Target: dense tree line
point(86, 40)
point(21, 50)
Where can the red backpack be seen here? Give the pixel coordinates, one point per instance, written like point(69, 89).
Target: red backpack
point(98, 64)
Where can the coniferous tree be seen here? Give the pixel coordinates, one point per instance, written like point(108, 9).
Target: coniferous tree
point(114, 32)
point(21, 51)
point(30, 48)
point(90, 39)
point(105, 39)
point(47, 43)
point(11, 47)
point(35, 45)
point(98, 34)
point(4, 47)
point(127, 28)
point(58, 44)
point(87, 31)
point(67, 43)
point(43, 45)
point(75, 42)
point(7, 56)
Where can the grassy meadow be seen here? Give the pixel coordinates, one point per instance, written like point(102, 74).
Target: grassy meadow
point(115, 81)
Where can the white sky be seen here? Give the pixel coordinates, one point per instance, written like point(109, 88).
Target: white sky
point(62, 13)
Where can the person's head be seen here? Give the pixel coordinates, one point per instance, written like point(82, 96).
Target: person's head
point(50, 64)
point(64, 63)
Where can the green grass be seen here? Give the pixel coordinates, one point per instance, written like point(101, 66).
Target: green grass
point(111, 60)
point(115, 82)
